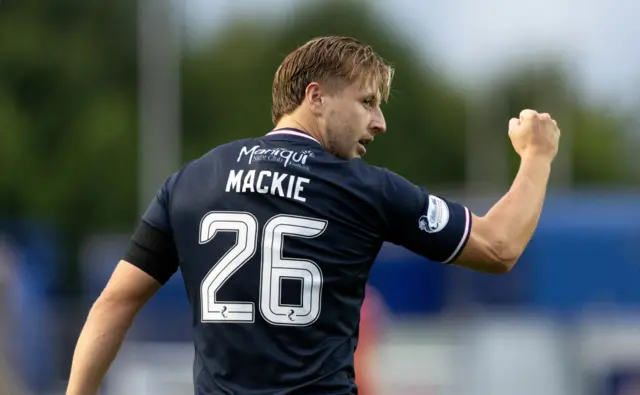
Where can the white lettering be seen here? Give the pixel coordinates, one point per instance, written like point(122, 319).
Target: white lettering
point(234, 180)
point(245, 151)
point(300, 188)
point(259, 187)
point(248, 181)
point(266, 182)
point(300, 157)
point(284, 156)
point(276, 184)
point(292, 182)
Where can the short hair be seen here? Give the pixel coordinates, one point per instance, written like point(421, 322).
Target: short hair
point(325, 59)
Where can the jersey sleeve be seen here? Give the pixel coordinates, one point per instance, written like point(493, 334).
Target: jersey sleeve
point(152, 247)
point(425, 224)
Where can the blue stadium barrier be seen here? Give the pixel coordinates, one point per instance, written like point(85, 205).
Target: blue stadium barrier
point(31, 302)
point(409, 283)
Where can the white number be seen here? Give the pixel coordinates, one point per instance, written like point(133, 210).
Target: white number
point(274, 268)
point(246, 228)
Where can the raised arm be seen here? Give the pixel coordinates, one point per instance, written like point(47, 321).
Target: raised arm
point(447, 232)
point(499, 238)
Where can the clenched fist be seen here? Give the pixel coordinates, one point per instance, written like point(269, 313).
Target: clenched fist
point(534, 134)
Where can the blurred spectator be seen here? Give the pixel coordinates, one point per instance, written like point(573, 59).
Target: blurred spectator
point(373, 314)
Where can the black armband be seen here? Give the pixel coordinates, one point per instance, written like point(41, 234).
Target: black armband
point(153, 251)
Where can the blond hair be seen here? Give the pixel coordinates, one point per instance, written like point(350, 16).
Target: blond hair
point(326, 59)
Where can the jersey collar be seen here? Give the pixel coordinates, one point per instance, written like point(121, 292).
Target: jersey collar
point(292, 132)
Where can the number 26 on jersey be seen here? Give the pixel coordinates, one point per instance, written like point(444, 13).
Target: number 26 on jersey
point(274, 267)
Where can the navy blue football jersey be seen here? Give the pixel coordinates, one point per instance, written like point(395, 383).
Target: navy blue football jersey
point(275, 238)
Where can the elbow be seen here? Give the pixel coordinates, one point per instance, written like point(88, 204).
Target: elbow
point(505, 256)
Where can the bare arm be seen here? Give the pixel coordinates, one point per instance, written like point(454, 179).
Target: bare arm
point(498, 239)
point(104, 331)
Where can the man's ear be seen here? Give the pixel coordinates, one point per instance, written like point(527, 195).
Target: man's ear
point(314, 96)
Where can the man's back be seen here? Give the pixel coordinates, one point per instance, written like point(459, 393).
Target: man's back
point(275, 240)
point(275, 253)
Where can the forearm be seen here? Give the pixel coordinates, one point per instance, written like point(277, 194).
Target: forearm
point(516, 215)
point(98, 345)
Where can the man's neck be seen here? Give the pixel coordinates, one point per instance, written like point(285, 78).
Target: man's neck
point(310, 128)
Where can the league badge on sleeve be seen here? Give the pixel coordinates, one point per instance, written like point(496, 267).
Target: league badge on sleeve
point(437, 216)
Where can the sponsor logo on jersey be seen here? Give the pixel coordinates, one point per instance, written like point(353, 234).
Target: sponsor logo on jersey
point(437, 216)
point(284, 156)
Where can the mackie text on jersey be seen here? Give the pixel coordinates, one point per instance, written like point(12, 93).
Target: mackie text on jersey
point(274, 183)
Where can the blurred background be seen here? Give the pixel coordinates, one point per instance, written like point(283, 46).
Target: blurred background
point(101, 100)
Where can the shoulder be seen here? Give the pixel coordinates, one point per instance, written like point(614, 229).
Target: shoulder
point(380, 176)
point(198, 165)
point(224, 152)
point(389, 191)
point(369, 176)
point(389, 186)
